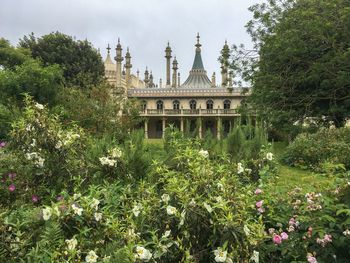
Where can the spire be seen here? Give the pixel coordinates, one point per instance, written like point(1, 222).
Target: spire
point(108, 48)
point(168, 57)
point(198, 63)
point(198, 76)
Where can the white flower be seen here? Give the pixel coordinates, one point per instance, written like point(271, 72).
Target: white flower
point(220, 186)
point(255, 257)
point(143, 253)
point(77, 210)
point(183, 215)
point(220, 255)
point(171, 210)
point(240, 168)
point(91, 257)
point(269, 156)
point(204, 153)
point(39, 106)
point(58, 145)
point(76, 196)
point(31, 156)
point(249, 171)
point(165, 198)
point(246, 230)
point(116, 152)
point(40, 162)
point(94, 204)
point(71, 243)
point(192, 202)
point(166, 234)
point(47, 213)
point(208, 207)
point(107, 161)
point(347, 233)
point(98, 216)
point(136, 209)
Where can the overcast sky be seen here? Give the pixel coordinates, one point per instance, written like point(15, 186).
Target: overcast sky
point(143, 25)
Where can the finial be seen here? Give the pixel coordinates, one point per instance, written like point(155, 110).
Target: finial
point(198, 45)
point(168, 44)
point(127, 49)
point(108, 48)
point(118, 40)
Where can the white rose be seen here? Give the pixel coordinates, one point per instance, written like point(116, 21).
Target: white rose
point(171, 210)
point(143, 254)
point(47, 213)
point(91, 257)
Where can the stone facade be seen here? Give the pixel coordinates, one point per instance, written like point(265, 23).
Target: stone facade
point(197, 105)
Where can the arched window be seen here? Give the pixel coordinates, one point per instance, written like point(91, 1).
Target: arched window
point(143, 105)
point(159, 105)
point(210, 104)
point(176, 105)
point(193, 104)
point(227, 104)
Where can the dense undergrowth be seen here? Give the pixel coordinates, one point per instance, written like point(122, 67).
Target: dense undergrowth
point(70, 197)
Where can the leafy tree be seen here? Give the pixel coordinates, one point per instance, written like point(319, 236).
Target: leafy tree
point(300, 64)
point(32, 78)
point(11, 57)
point(82, 65)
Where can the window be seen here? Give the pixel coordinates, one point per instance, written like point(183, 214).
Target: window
point(143, 105)
point(193, 104)
point(159, 105)
point(210, 104)
point(227, 104)
point(176, 105)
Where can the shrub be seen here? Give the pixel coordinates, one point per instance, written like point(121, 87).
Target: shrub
point(327, 145)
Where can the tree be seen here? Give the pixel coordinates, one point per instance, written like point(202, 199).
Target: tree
point(21, 74)
point(82, 64)
point(301, 64)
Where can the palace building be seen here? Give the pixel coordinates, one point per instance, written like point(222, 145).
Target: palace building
point(198, 104)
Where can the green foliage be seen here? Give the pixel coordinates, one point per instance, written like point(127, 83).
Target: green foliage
point(81, 64)
point(11, 57)
point(31, 77)
point(312, 150)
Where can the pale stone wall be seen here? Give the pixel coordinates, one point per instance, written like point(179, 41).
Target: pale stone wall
point(185, 103)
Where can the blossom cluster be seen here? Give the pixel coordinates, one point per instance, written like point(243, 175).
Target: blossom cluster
point(112, 158)
point(325, 240)
point(313, 200)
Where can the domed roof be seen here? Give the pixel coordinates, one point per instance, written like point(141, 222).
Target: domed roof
point(198, 76)
point(109, 65)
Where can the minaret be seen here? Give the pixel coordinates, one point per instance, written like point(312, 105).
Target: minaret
point(168, 57)
point(151, 83)
point(178, 79)
point(119, 59)
point(146, 80)
point(128, 67)
point(175, 68)
point(213, 80)
point(225, 54)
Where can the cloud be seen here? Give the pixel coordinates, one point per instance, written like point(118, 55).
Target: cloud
point(144, 26)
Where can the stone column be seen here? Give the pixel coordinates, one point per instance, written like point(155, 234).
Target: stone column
point(146, 128)
point(182, 125)
point(200, 128)
point(218, 128)
point(163, 127)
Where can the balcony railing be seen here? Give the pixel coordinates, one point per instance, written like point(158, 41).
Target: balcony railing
point(185, 112)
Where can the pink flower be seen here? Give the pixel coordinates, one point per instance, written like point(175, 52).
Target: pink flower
point(311, 259)
point(12, 176)
point(277, 239)
point(327, 238)
point(258, 191)
point(59, 198)
point(2, 144)
point(261, 210)
point(259, 203)
point(284, 235)
point(12, 187)
point(35, 198)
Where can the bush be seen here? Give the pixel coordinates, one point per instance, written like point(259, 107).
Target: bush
point(327, 145)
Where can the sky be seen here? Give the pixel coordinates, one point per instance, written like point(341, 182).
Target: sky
point(145, 26)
